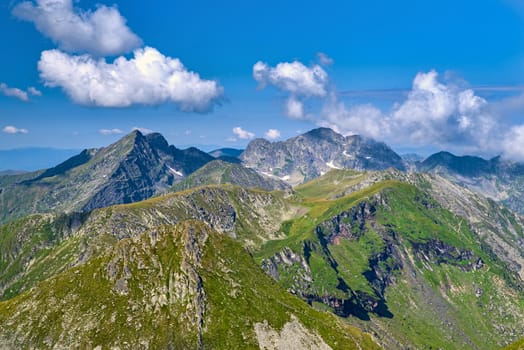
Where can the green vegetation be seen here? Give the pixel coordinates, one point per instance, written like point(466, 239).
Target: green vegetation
point(375, 239)
point(330, 185)
point(181, 287)
point(384, 254)
point(519, 345)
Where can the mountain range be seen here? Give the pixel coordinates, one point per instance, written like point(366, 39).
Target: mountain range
point(318, 242)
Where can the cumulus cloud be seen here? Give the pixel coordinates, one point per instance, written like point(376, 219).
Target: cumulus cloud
point(293, 77)
point(434, 114)
point(110, 131)
point(324, 59)
point(13, 92)
point(243, 134)
point(365, 119)
point(14, 130)
point(149, 78)
point(440, 113)
point(272, 134)
point(102, 32)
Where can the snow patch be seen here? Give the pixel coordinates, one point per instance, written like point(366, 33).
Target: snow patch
point(285, 178)
point(266, 174)
point(332, 166)
point(175, 172)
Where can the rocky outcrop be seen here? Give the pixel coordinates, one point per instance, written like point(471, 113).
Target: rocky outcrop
point(314, 153)
point(438, 252)
point(292, 336)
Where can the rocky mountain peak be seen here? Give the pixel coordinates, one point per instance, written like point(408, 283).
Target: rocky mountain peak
point(314, 153)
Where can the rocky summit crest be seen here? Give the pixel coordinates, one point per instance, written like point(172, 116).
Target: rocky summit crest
point(314, 153)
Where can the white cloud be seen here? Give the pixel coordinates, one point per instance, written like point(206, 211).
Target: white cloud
point(433, 114)
point(231, 139)
point(101, 32)
point(294, 108)
point(436, 113)
point(110, 131)
point(272, 134)
point(324, 59)
point(14, 130)
point(34, 91)
point(243, 134)
point(365, 119)
point(293, 77)
point(513, 144)
point(13, 92)
point(149, 78)
point(142, 130)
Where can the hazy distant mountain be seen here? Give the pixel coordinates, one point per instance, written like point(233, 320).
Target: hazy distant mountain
point(465, 165)
point(132, 169)
point(497, 178)
point(412, 157)
point(314, 153)
point(31, 159)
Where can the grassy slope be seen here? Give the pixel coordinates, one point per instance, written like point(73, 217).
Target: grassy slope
point(445, 310)
point(220, 172)
point(37, 247)
point(68, 309)
point(519, 345)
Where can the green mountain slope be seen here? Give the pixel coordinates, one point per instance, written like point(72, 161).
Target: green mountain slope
point(183, 287)
point(219, 172)
point(410, 270)
point(414, 259)
point(36, 247)
point(519, 345)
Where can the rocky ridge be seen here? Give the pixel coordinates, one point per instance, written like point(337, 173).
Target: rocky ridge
point(132, 169)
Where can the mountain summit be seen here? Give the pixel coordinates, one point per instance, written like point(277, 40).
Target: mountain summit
point(132, 169)
point(314, 153)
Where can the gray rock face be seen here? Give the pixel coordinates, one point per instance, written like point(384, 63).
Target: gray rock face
point(316, 152)
point(132, 169)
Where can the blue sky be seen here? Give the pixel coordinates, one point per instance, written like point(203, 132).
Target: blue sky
point(420, 75)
